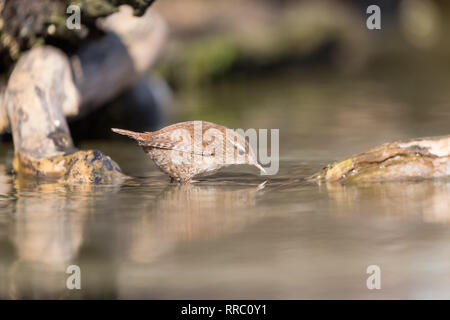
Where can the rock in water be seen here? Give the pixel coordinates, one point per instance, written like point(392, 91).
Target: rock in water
point(415, 159)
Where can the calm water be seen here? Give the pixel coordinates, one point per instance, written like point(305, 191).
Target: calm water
point(231, 237)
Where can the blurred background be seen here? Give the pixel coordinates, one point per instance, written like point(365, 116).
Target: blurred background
point(212, 40)
point(304, 66)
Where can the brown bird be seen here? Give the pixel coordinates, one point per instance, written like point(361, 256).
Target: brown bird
point(194, 148)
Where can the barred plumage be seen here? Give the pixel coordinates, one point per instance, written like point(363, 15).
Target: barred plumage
point(186, 150)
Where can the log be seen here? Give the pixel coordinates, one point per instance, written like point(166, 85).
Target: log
point(422, 158)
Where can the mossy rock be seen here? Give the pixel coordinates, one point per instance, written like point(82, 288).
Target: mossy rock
point(81, 167)
point(25, 24)
point(415, 159)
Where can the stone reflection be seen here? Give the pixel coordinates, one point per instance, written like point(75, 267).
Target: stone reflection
point(427, 200)
point(47, 233)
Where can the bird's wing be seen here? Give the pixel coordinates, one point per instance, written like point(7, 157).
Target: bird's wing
point(162, 141)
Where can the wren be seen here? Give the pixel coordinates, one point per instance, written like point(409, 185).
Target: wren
point(190, 149)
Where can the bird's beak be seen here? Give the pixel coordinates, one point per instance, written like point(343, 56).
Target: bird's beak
point(256, 164)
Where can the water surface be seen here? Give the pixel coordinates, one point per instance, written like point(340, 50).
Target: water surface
point(232, 236)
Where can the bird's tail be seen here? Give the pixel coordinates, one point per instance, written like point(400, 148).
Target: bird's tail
point(131, 134)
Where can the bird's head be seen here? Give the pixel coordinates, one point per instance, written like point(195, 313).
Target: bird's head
point(240, 151)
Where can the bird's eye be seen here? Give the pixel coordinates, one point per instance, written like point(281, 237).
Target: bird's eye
point(241, 152)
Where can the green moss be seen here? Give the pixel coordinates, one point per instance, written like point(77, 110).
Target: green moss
point(98, 8)
point(203, 60)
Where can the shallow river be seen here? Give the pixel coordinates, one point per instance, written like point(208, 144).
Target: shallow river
point(231, 235)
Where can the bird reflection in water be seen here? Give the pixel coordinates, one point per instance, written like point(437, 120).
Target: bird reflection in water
point(189, 213)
